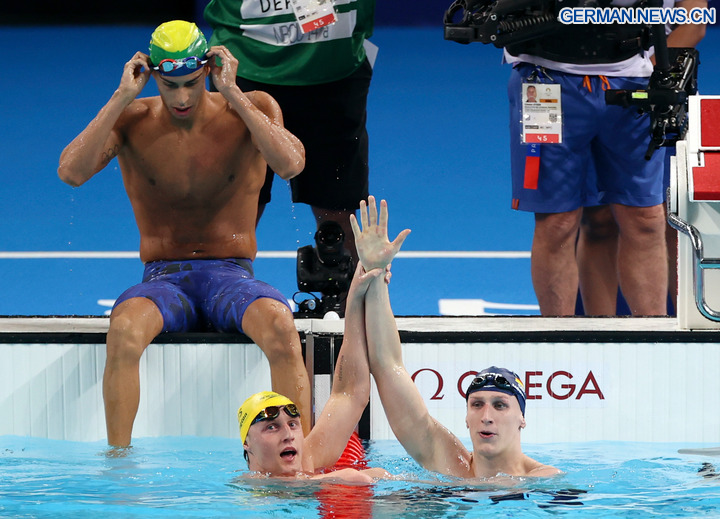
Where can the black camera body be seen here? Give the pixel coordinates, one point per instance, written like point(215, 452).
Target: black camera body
point(326, 268)
point(316, 276)
point(500, 22)
point(666, 97)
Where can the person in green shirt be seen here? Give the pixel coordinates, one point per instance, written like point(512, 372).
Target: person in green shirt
point(321, 80)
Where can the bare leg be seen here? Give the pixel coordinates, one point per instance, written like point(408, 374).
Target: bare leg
point(270, 325)
point(642, 258)
point(597, 261)
point(133, 325)
point(553, 265)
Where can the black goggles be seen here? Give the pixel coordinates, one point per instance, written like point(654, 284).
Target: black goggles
point(273, 411)
point(493, 379)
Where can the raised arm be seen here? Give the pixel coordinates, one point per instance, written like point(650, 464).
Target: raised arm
point(351, 384)
point(283, 152)
point(99, 142)
point(427, 441)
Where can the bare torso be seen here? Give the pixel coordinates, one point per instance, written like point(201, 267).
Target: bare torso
point(194, 189)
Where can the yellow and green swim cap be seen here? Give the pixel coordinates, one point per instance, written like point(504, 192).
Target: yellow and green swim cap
point(178, 40)
point(254, 405)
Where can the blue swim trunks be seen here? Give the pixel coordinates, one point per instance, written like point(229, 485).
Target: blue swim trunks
point(610, 141)
point(201, 295)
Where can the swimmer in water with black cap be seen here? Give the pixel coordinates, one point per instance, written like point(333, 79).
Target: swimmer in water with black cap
point(193, 163)
point(495, 397)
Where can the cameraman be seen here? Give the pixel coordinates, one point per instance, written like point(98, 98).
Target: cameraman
point(586, 60)
point(597, 242)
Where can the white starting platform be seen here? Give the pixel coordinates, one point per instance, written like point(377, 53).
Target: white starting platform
point(587, 379)
point(694, 210)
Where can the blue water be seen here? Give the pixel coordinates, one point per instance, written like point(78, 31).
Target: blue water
point(198, 477)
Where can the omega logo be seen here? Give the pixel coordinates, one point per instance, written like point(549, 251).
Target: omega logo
point(557, 385)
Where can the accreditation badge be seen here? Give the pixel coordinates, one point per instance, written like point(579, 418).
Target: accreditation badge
point(314, 14)
point(541, 113)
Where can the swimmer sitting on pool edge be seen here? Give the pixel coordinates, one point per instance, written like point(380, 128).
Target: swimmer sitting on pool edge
point(192, 163)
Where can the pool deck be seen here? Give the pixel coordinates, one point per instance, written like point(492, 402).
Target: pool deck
point(528, 324)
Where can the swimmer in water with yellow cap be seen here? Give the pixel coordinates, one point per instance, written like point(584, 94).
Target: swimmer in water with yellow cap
point(192, 163)
point(270, 423)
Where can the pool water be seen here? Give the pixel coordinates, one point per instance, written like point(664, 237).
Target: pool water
point(198, 477)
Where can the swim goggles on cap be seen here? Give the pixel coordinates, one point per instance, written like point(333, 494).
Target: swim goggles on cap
point(273, 411)
point(493, 379)
point(168, 65)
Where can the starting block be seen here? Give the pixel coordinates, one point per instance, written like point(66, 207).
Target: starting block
point(694, 209)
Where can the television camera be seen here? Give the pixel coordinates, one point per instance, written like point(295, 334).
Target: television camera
point(510, 22)
point(500, 22)
point(326, 268)
point(666, 97)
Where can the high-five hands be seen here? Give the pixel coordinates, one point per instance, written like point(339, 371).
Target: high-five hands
point(374, 248)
